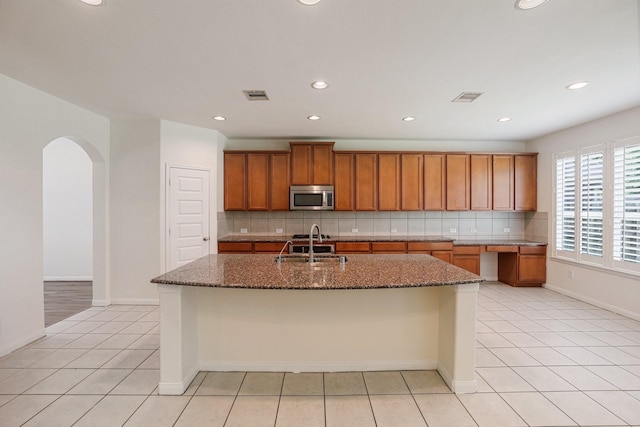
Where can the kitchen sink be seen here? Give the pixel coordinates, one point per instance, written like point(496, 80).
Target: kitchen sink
point(316, 258)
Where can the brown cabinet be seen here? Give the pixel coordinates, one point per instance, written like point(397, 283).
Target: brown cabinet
point(389, 182)
point(353, 247)
point(311, 163)
point(467, 257)
point(268, 247)
point(525, 182)
point(502, 182)
point(527, 267)
point(235, 181)
point(412, 182)
point(435, 182)
point(441, 250)
point(257, 181)
point(458, 182)
point(388, 247)
point(481, 182)
point(279, 181)
point(235, 247)
point(366, 181)
point(344, 181)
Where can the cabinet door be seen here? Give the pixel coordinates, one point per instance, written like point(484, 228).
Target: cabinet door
point(532, 269)
point(234, 181)
point(279, 181)
point(412, 181)
point(458, 191)
point(502, 182)
point(526, 182)
point(389, 182)
point(481, 182)
point(322, 157)
point(235, 247)
point(388, 247)
point(353, 247)
point(470, 263)
point(435, 182)
point(344, 181)
point(257, 182)
point(301, 160)
point(366, 181)
point(446, 256)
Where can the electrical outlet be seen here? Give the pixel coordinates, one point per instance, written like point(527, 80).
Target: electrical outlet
point(570, 274)
point(507, 230)
point(279, 231)
point(354, 230)
point(453, 230)
point(243, 231)
point(473, 230)
point(394, 230)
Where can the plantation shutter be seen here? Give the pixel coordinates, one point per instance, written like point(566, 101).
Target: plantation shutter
point(626, 203)
point(591, 202)
point(566, 204)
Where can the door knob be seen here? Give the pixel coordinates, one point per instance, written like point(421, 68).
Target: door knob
point(206, 239)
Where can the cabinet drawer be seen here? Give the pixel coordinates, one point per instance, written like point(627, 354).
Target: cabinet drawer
point(429, 246)
point(234, 247)
point(533, 250)
point(352, 247)
point(268, 247)
point(389, 247)
point(502, 248)
point(470, 250)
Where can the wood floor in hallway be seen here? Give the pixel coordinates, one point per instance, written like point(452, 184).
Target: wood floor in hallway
point(64, 299)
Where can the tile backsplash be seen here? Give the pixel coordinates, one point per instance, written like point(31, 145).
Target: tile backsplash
point(466, 225)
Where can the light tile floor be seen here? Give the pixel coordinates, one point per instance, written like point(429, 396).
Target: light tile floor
point(543, 359)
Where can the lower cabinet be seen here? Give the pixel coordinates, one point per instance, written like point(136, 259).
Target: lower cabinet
point(235, 247)
point(467, 257)
point(353, 247)
point(527, 267)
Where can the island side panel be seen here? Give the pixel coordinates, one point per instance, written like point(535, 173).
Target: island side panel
point(318, 331)
point(457, 337)
point(178, 338)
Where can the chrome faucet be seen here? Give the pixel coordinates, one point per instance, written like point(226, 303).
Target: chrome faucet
point(311, 240)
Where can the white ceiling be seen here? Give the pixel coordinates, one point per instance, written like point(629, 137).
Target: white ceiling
point(188, 60)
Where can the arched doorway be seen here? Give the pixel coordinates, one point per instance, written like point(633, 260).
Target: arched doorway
point(71, 227)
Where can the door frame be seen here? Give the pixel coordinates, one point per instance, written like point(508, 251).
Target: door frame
point(167, 208)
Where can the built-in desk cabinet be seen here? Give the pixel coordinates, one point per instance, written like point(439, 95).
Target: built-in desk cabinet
point(467, 257)
point(527, 267)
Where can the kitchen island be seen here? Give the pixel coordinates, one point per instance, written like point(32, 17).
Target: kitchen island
point(372, 312)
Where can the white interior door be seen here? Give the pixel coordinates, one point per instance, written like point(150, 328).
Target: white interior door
point(188, 215)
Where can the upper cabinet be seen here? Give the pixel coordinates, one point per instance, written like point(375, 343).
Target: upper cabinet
point(526, 182)
point(412, 182)
point(458, 182)
point(366, 181)
point(311, 163)
point(344, 181)
point(235, 177)
point(481, 182)
point(388, 182)
point(503, 182)
point(279, 181)
point(258, 181)
point(435, 182)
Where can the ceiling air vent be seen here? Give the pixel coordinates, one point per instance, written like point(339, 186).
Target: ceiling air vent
point(256, 95)
point(467, 97)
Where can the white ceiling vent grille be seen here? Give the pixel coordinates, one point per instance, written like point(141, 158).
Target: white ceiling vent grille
point(256, 95)
point(467, 97)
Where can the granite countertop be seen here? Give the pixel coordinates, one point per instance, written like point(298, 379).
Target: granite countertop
point(394, 238)
point(359, 272)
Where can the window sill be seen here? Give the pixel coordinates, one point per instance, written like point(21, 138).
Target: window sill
point(621, 273)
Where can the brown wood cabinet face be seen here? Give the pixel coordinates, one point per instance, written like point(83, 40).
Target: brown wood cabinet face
point(458, 191)
point(435, 184)
point(322, 164)
point(366, 181)
point(279, 182)
point(344, 181)
point(468, 262)
point(301, 161)
point(481, 182)
point(503, 182)
point(412, 191)
point(532, 269)
point(446, 256)
point(389, 182)
point(268, 247)
point(353, 247)
point(234, 181)
point(388, 247)
point(257, 182)
point(235, 247)
point(526, 182)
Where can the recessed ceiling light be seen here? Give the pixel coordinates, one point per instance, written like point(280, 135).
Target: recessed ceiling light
point(504, 119)
point(577, 85)
point(92, 2)
point(309, 2)
point(528, 4)
point(219, 118)
point(313, 117)
point(319, 85)
point(408, 118)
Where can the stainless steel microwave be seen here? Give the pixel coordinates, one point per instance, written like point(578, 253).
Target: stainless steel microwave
point(311, 198)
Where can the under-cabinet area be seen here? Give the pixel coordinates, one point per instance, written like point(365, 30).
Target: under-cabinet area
point(519, 262)
point(382, 181)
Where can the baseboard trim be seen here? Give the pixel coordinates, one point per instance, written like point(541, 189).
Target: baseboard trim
point(176, 389)
point(135, 301)
point(318, 366)
point(593, 301)
point(6, 349)
point(458, 387)
point(68, 278)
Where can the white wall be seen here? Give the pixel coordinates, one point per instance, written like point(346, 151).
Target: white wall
point(135, 211)
point(616, 292)
point(29, 120)
point(67, 211)
point(194, 147)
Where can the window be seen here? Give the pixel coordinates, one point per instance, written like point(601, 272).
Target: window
point(597, 205)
